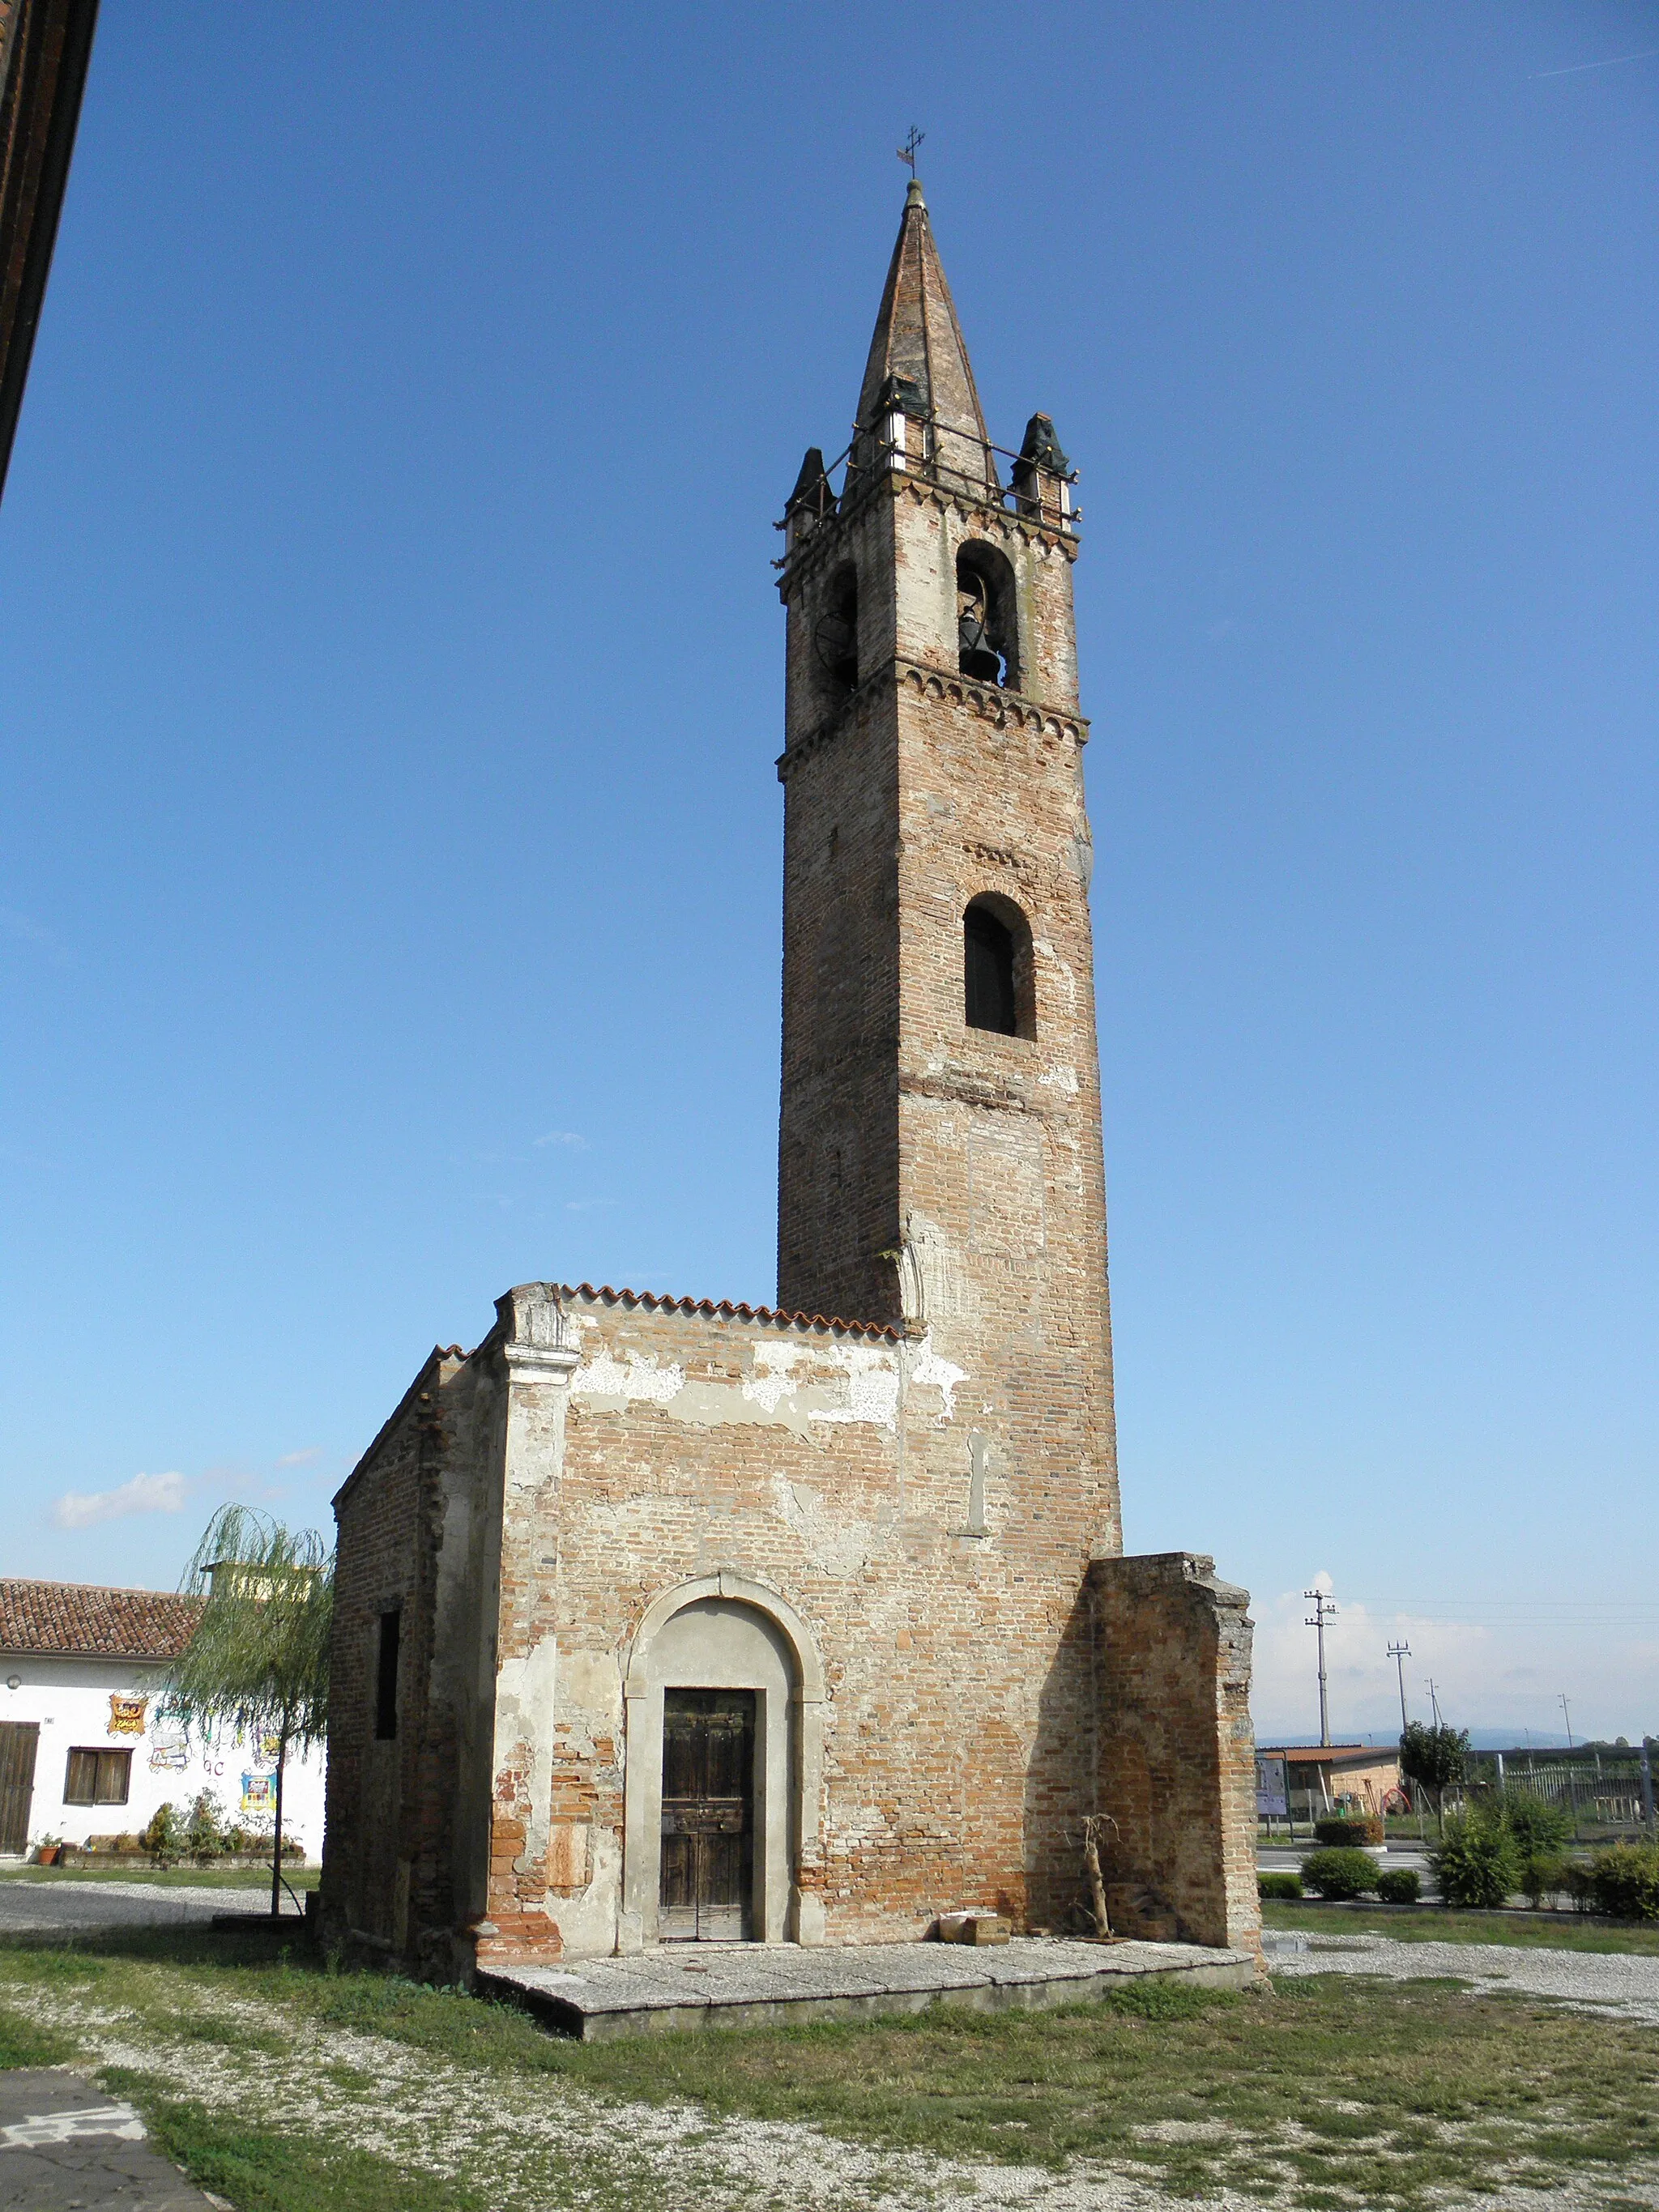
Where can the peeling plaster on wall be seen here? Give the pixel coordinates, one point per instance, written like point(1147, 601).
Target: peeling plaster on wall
point(774, 1375)
point(593, 1685)
point(525, 1702)
point(1062, 1078)
point(772, 1393)
point(873, 1390)
point(604, 1377)
point(835, 1544)
point(931, 1369)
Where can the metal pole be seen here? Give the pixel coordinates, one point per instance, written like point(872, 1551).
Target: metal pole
point(1323, 1609)
point(1567, 1717)
point(1647, 1789)
point(1399, 1653)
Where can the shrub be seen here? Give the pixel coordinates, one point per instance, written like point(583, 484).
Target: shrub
point(1282, 1886)
point(165, 1839)
point(1539, 1828)
point(204, 1831)
point(1623, 1881)
point(1350, 1828)
point(1542, 1873)
point(1477, 1864)
point(1580, 1890)
point(1339, 1873)
point(1398, 1885)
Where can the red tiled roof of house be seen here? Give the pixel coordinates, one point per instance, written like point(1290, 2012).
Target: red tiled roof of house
point(724, 1309)
point(88, 1620)
point(1310, 1754)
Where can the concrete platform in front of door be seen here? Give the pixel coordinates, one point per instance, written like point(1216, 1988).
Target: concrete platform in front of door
point(781, 1985)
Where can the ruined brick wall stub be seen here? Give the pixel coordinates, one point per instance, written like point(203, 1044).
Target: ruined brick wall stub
point(1176, 1753)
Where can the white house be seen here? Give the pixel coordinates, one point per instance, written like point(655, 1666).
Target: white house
point(84, 1750)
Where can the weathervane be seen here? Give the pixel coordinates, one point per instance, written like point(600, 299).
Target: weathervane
point(907, 152)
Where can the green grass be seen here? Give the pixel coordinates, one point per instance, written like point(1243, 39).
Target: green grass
point(1333, 2090)
point(179, 1877)
point(258, 2170)
point(1413, 1924)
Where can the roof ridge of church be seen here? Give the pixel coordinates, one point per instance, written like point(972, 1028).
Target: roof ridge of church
point(725, 1309)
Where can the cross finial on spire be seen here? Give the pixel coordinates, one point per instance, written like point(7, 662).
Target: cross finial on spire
point(907, 152)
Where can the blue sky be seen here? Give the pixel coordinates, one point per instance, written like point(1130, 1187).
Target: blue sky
point(391, 679)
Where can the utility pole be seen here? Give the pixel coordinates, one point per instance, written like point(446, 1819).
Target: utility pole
point(1434, 1702)
point(1399, 1653)
point(1323, 1609)
point(1567, 1717)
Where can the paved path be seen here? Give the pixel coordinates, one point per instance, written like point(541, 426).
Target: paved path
point(72, 1904)
point(1618, 1983)
point(67, 2144)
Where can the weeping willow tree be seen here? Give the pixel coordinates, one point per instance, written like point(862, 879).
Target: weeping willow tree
point(259, 1659)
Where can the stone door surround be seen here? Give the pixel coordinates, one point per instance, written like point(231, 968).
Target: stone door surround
point(727, 1630)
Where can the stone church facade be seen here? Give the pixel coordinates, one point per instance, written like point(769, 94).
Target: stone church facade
point(659, 1619)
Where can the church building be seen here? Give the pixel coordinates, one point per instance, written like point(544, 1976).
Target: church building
point(666, 1619)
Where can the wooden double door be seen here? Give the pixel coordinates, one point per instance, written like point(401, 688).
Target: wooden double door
point(708, 1816)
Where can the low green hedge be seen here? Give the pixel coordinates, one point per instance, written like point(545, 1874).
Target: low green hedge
point(1350, 1828)
point(1623, 1881)
point(1399, 1886)
point(1280, 1887)
point(1339, 1873)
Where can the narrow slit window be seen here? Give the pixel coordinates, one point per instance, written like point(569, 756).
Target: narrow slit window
point(98, 1777)
point(988, 972)
point(385, 1676)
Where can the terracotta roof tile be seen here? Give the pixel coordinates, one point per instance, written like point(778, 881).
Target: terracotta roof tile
point(724, 1309)
point(86, 1620)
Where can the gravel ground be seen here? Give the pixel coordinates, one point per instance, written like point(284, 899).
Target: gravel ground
point(1611, 1982)
point(29, 1906)
point(548, 2148)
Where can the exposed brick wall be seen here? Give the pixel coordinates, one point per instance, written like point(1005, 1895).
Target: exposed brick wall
point(390, 1880)
point(1176, 1751)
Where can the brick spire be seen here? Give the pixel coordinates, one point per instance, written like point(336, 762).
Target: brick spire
point(917, 356)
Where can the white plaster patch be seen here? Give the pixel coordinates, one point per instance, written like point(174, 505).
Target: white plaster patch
point(939, 1374)
point(774, 1375)
point(1061, 1078)
point(873, 1390)
point(605, 1377)
point(835, 1544)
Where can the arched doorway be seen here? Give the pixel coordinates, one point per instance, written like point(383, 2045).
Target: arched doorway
point(723, 1693)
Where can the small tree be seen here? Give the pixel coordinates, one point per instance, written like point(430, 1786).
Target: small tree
point(259, 1659)
point(1434, 1758)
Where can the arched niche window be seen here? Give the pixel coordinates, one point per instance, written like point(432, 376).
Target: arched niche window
point(998, 991)
point(988, 627)
point(836, 633)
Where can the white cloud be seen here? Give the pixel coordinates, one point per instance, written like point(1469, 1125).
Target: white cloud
point(563, 1137)
point(301, 1458)
point(145, 1493)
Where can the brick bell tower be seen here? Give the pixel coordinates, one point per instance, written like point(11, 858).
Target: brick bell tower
point(940, 1158)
